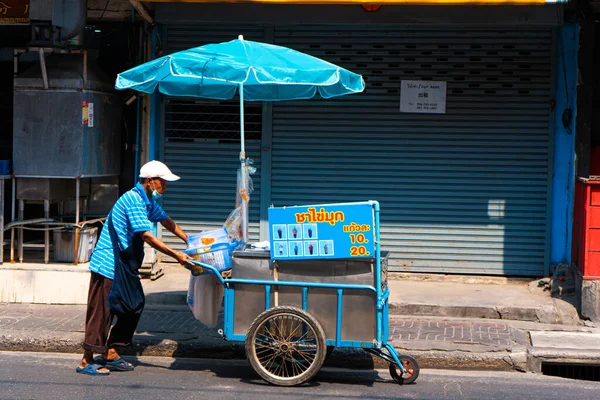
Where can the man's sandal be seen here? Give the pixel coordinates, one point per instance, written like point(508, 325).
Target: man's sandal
point(92, 369)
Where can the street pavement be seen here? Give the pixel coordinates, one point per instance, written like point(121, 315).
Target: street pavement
point(174, 332)
point(50, 376)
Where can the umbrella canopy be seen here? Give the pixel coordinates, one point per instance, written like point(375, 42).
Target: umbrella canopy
point(267, 72)
point(258, 71)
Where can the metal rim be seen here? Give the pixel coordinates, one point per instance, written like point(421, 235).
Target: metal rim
point(286, 346)
point(411, 367)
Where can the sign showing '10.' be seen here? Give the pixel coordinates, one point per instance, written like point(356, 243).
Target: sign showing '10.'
point(327, 231)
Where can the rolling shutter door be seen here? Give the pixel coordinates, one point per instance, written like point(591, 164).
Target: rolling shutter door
point(202, 145)
point(464, 192)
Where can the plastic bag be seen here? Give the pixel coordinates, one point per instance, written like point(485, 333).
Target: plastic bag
point(233, 225)
point(245, 187)
point(244, 180)
point(205, 295)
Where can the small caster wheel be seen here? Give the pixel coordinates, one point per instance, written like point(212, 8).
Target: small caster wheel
point(412, 370)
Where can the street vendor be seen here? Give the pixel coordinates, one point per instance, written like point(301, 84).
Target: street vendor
point(115, 287)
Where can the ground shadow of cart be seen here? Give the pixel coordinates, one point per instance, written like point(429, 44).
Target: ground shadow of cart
point(186, 339)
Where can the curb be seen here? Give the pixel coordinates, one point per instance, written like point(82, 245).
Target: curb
point(543, 315)
point(538, 356)
point(504, 360)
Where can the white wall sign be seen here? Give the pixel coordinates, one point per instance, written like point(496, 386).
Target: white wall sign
point(423, 97)
point(91, 115)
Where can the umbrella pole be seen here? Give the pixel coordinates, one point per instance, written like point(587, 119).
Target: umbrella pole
point(243, 188)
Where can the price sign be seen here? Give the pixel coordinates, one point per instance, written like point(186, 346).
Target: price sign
point(344, 230)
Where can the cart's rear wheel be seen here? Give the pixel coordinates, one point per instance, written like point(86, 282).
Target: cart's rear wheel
point(412, 370)
point(286, 346)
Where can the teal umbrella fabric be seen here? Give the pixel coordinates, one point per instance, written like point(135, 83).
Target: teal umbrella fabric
point(266, 72)
point(257, 71)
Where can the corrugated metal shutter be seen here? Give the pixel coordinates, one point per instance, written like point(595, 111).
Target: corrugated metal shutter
point(202, 144)
point(464, 192)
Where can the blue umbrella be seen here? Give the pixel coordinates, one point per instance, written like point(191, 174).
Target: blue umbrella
point(257, 71)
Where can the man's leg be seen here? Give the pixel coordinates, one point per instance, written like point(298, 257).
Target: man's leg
point(121, 335)
point(98, 318)
point(122, 332)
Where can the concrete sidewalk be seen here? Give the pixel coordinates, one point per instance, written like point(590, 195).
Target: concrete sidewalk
point(428, 295)
point(445, 322)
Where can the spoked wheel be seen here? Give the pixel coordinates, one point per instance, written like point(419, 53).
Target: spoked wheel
point(286, 346)
point(411, 367)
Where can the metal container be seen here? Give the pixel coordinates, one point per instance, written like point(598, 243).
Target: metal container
point(104, 192)
point(64, 245)
point(51, 138)
point(358, 308)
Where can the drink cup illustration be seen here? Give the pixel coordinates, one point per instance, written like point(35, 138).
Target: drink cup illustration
point(296, 249)
point(326, 248)
point(295, 233)
point(310, 249)
point(309, 232)
point(280, 250)
point(279, 232)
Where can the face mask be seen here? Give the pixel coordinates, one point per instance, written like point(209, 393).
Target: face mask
point(155, 194)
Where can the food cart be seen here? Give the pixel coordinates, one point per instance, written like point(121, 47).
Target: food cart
point(322, 285)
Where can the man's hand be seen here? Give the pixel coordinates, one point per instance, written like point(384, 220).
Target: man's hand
point(183, 259)
point(157, 244)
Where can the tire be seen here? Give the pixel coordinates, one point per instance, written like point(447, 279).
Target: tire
point(412, 367)
point(286, 346)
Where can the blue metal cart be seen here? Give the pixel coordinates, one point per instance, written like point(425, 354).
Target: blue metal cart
point(323, 285)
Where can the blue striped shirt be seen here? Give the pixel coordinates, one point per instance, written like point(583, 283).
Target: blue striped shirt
point(132, 213)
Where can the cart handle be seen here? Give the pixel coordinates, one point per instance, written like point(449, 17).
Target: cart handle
point(282, 283)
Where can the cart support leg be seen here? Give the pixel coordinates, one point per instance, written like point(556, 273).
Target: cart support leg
point(305, 298)
point(394, 355)
point(338, 330)
point(267, 297)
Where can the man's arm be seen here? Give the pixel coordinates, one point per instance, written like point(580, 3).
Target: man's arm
point(156, 243)
point(172, 227)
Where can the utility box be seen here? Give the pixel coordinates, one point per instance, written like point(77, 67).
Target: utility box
point(586, 228)
point(71, 128)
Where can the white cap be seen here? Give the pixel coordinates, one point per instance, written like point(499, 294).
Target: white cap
point(156, 169)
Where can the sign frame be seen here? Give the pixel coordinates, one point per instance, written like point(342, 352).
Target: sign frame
point(423, 97)
point(323, 231)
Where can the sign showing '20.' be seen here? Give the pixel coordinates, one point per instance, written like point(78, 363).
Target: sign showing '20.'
point(322, 231)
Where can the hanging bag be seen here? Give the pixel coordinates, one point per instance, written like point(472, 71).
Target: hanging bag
point(126, 297)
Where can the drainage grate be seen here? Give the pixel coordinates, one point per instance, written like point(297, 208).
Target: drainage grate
point(572, 371)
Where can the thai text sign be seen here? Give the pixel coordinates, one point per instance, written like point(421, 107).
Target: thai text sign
point(322, 231)
point(423, 97)
point(14, 11)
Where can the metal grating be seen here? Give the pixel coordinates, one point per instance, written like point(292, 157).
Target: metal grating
point(187, 120)
point(584, 372)
point(464, 192)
